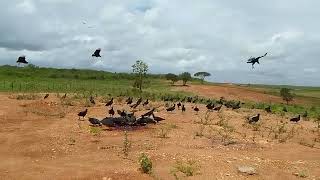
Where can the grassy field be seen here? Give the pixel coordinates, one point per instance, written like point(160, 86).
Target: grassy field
point(87, 83)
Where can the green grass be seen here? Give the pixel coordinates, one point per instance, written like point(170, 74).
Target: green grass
point(84, 83)
point(310, 95)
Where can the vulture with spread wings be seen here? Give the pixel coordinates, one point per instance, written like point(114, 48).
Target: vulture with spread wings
point(97, 53)
point(254, 60)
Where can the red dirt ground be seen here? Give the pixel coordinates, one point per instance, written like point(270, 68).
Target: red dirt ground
point(41, 140)
point(232, 92)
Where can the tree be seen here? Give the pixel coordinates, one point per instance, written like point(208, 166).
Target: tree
point(185, 77)
point(140, 69)
point(286, 94)
point(172, 77)
point(202, 75)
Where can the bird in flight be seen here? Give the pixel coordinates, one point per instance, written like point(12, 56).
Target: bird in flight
point(254, 60)
point(22, 59)
point(96, 53)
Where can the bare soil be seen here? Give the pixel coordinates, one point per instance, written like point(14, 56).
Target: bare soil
point(41, 139)
point(232, 92)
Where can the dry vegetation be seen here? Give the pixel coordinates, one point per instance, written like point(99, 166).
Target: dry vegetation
point(42, 139)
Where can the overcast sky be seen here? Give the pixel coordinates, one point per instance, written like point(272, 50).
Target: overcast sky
point(171, 36)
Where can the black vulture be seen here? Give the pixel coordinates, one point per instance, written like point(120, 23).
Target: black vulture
point(46, 96)
point(64, 96)
point(196, 109)
point(83, 113)
point(254, 119)
point(137, 103)
point(110, 102)
point(171, 108)
point(22, 59)
point(97, 53)
point(295, 119)
point(218, 108)
point(156, 118)
point(179, 104)
point(254, 60)
point(95, 121)
point(111, 112)
point(92, 100)
point(183, 109)
point(149, 113)
point(146, 102)
point(268, 109)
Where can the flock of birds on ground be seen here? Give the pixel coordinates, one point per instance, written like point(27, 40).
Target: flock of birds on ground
point(125, 119)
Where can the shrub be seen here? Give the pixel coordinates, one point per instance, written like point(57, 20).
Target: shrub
point(145, 163)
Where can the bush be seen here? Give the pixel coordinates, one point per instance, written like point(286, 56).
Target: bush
point(145, 163)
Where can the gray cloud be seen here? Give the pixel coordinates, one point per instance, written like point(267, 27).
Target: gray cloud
point(171, 36)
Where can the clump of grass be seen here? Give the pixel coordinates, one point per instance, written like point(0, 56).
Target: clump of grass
point(206, 119)
point(72, 141)
point(303, 142)
point(188, 168)
point(27, 97)
point(67, 102)
point(163, 132)
point(126, 144)
point(201, 130)
point(95, 131)
point(145, 163)
point(301, 174)
point(165, 129)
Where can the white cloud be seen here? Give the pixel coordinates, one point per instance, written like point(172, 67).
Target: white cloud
point(171, 36)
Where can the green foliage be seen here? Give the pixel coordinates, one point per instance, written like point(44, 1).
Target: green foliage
point(126, 144)
point(185, 77)
point(202, 75)
point(172, 77)
point(95, 130)
point(140, 69)
point(189, 168)
point(286, 95)
point(145, 163)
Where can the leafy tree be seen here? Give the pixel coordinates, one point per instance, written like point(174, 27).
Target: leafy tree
point(140, 69)
point(185, 77)
point(202, 75)
point(172, 77)
point(286, 95)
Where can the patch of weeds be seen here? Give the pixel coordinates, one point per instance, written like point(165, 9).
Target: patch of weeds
point(172, 126)
point(189, 168)
point(303, 142)
point(72, 141)
point(67, 102)
point(165, 129)
point(279, 132)
point(95, 130)
point(126, 144)
point(27, 97)
point(301, 174)
point(163, 132)
point(206, 120)
point(226, 137)
point(200, 132)
point(145, 164)
point(87, 103)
